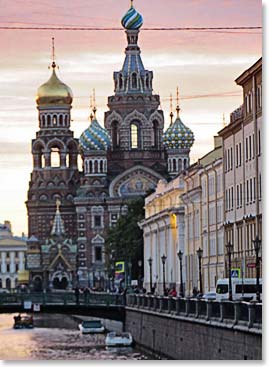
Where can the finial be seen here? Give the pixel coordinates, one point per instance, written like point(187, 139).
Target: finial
point(94, 103)
point(132, 5)
point(53, 65)
point(58, 203)
point(91, 116)
point(223, 120)
point(171, 109)
point(178, 108)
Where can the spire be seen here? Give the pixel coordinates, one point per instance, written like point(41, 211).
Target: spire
point(178, 108)
point(132, 5)
point(171, 109)
point(53, 64)
point(58, 224)
point(94, 103)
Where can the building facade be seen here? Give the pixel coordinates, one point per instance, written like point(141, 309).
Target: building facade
point(204, 208)
point(242, 151)
point(122, 160)
point(12, 256)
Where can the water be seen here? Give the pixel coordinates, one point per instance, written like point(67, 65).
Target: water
point(56, 343)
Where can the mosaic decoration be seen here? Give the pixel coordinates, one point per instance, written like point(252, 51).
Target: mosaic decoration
point(132, 19)
point(178, 136)
point(95, 137)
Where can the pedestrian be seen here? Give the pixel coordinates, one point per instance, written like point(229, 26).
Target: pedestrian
point(173, 292)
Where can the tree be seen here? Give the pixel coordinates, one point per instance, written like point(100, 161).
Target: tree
point(124, 241)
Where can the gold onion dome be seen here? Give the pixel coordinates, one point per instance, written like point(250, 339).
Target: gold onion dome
point(54, 91)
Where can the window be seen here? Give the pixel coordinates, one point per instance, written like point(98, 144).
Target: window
point(98, 253)
point(246, 149)
point(241, 195)
point(254, 189)
point(260, 186)
point(8, 268)
point(97, 221)
point(237, 157)
point(247, 197)
point(250, 147)
point(134, 81)
point(250, 187)
point(55, 157)
point(237, 197)
point(232, 198)
point(134, 136)
point(156, 134)
point(231, 158)
point(115, 134)
point(259, 142)
point(240, 154)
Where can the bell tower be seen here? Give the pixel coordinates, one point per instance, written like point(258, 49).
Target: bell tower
point(55, 174)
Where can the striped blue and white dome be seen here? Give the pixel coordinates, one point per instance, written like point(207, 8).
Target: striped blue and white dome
point(178, 136)
point(132, 20)
point(95, 137)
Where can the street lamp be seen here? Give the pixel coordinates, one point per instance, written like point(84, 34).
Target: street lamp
point(150, 273)
point(200, 254)
point(163, 261)
point(229, 248)
point(139, 273)
point(180, 254)
point(257, 246)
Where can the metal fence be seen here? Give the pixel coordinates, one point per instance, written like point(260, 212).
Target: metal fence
point(236, 313)
point(63, 298)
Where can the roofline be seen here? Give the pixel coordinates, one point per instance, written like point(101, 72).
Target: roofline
point(248, 73)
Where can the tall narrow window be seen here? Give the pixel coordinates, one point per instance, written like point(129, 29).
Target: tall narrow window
point(134, 136)
point(156, 134)
point(134, 81)
point(55, 157)
point(115, 134)
point(120, 82)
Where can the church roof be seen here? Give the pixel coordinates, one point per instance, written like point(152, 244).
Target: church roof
point(95, 137)
point(178, 136)
point(132, 20)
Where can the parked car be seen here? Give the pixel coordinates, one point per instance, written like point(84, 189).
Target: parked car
point(210, 296)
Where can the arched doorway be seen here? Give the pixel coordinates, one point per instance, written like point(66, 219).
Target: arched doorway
point(8, 283)
point(37, 284)
point(60, 283)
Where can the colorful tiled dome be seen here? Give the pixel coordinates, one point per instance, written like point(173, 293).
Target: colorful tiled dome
point(178, 136)
point(132, 20)
point(95, 137)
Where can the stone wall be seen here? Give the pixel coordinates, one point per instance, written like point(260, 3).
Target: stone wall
point(180, 339)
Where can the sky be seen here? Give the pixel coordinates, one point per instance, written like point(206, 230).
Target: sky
point(203, 65)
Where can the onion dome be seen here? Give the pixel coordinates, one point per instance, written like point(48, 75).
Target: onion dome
point(132, 20)
point(178, 136)
point(95, 137)
point(54, 91)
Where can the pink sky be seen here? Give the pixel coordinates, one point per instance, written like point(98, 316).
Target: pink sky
point(201, 63)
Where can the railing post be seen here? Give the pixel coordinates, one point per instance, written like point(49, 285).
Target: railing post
point(177, 306)
point(208, 310)
point(251, 314)
point(161, 304)
point(221, 308)
point(187, 307)
point(236, 312)
point(155, 303)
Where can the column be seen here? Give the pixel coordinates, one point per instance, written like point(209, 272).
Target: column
point(12, 262)
point(21, 261)
point(63, 160)
point(3, 262)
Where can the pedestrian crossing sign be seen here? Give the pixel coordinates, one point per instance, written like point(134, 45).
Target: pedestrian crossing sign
point(235, 273)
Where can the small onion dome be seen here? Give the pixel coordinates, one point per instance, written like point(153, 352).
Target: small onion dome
point(132, 20)
point(178, 136)
point(54, 92)
point(95, 137)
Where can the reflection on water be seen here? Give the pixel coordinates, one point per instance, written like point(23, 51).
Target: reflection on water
point(56, 343)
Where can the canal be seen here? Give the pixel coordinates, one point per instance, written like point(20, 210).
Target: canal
point(56, 337)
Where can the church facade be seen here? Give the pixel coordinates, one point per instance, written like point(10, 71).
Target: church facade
point(122, 160)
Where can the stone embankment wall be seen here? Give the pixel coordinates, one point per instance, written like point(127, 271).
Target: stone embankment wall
point(185, 339)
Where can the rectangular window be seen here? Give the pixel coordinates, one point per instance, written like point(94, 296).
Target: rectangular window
point(231, 158)
point(232, 198)
point(250, 187)
point(240, 154)
point(259, 142)
point(253, 146)
point(237, 160)
point(8, 268)
point(237, 196)
point(247, 196)
point(241, 195)
point(246, 149)
point(260, 187)
point(98, 253)
point(97, 221)
point(254, 189)
point(250, 147)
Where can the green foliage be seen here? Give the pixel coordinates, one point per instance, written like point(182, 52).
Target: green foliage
point(125, 240)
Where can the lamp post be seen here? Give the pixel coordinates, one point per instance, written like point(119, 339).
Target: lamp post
point(257, 246)
point(200, 254)
point(229, 248)
point(139, 273)
point(163, 261)
point(150, 273)
point(180, 254)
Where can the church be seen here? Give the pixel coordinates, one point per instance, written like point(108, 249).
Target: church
point(69, 211)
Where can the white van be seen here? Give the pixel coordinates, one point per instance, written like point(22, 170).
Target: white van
point(240, 288)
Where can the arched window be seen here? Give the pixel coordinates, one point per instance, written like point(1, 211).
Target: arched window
point(90, 169)
point(134, 136)
point(147, 81)
point(43, 121)
point(95, 166)
point(115, 134)
point(185, 163)
point(55, 157)
point(179, 165)
point(134, 81)
point(66, 120)
point(155, 134)
point(54, 120)
point(61, 120)
point(48, 120)
point(174, 165)
point(101, 166)
point(120, 81)
point(42, 161)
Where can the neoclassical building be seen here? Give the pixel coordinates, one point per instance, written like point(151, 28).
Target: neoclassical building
point(123, 158)
point(12, 257)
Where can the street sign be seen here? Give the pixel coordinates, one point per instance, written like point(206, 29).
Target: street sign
point(36, 307)
point(251, 265)
point(27, 305)
point(235, 273)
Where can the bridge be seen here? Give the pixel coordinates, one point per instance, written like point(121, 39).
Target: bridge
point(102, 305)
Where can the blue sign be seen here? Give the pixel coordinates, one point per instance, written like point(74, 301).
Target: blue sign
point(235, 273)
